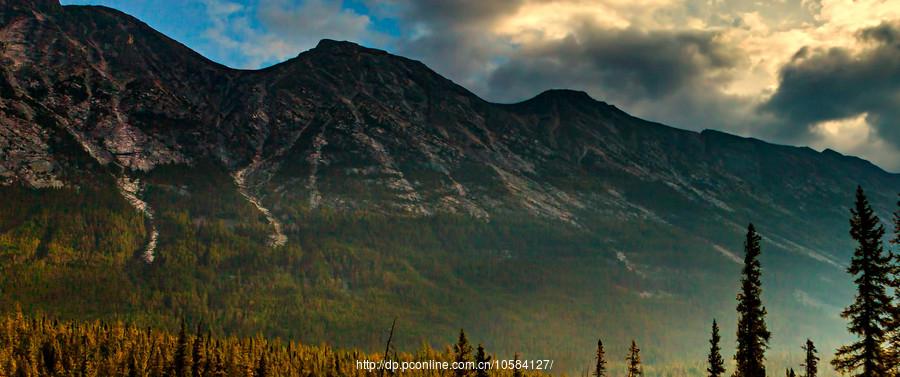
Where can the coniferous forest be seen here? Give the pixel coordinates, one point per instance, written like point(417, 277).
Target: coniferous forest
point(44, 346)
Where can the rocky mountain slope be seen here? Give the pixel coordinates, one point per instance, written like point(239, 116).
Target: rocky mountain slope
point(88, 92)
point(130, 97)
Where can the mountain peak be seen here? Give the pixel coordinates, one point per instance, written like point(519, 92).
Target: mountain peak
point(567, 98)
point(565, 94)
point(830, 151)
point(335, 46)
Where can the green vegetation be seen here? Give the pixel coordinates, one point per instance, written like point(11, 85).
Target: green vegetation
point(520, 284)
point(340, 279)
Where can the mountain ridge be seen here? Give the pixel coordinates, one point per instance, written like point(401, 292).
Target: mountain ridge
point(154, 102)
point(351, 48)
point(144, 106)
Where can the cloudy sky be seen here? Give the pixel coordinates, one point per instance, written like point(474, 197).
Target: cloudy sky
point(823, 73)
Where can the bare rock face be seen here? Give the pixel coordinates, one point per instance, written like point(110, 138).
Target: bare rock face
point(349, 127)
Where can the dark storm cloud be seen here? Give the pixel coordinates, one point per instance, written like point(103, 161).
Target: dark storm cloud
point(451, 37)
point(886, 33)
point(628, 64)
point(822, 85)
point(457, 13)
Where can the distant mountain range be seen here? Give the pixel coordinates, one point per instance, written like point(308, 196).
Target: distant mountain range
point(91, 97)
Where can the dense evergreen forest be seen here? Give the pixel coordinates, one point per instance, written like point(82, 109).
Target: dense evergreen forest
point(38, 346)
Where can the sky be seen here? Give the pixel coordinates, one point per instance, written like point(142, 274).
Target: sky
point(819, 73)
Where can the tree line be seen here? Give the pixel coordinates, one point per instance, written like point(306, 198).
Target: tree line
point(39, 346)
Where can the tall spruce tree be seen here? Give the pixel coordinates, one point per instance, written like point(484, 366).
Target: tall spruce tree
point(811, 362)
point(262, 367)
point(716, 366)
point(870, 313)
point(896, 239)
point(752, 334)
point(790, 372)
point(132, 366)
point(634, 361)
point(462, 352)
point(517, 372)
point(197, 355)
point(600, 368)
point(893, 330)
point(481, 360)
point(180, 364)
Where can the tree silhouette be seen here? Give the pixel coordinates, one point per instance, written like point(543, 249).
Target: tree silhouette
point(462, 351)
point(811, 362)
point(262, 367)
point(752, 334)
point(481, 359)
point(600, 368)
point(893, 329)
point(634, 361)
point(870, 312)
point(197, 355)
point(716, 366)
point(181, 353)
point(517, 372)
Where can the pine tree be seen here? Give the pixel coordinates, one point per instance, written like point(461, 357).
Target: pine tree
point(600, 368)
point(480, 361)
point(132, 366)
point(790, 372)
point(50, 354)
point(752, 334)
point(197, 355)
point(716, 363)
point(634, 361)
point(262, 367)
point(869, 314)
point(462, 351)
point(181, 354)
point(896, 240)
point(517, 372)
point(893, 329)
point(811, 363)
